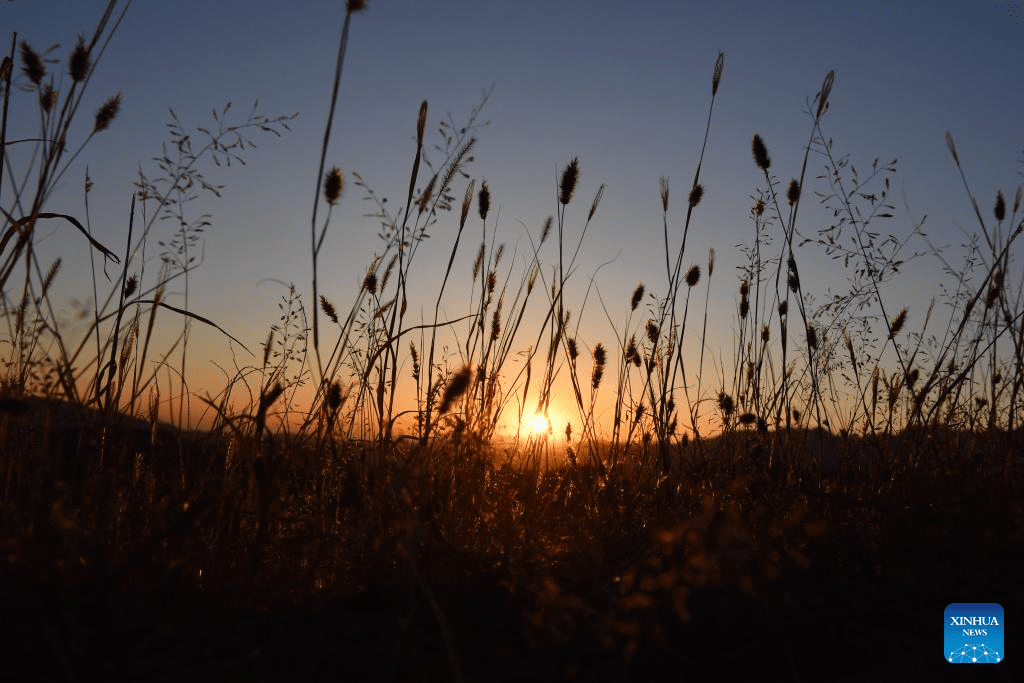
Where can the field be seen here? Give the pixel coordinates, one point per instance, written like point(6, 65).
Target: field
point(854, 478)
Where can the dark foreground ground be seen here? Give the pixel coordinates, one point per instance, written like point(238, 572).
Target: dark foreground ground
point(813, 628)
point(741, 575)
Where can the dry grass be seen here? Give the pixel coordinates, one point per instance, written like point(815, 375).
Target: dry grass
point(863, 475)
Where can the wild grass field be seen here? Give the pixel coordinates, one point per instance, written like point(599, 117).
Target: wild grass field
point(859, 475)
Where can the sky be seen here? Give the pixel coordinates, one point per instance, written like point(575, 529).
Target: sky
point(625, 87)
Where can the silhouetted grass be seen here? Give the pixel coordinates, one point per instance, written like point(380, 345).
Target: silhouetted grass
point(860, 482)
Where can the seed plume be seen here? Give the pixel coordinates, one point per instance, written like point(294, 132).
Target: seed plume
point(812, 336)
point(826, 89)
point(546, 231)
point(467, 200)
point(793, 193)
point(32, 64)
point(421, 119)
point(1000, 208)
point(78, 63)
point(334, 185)
point(761, 157)
point(951, 143)
point(725, 403)
point(693, 276)
point(484, 200)
point(457, 386)
point(570, 176)
point(897, 323)
point(597, 200)
point(717, 77)
point(599, 361)
point(695, 195)
point(328, 309)
point(107, 113)
point(652, 331)
point(638, 294)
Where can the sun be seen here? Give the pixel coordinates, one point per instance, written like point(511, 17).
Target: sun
point(539, 424)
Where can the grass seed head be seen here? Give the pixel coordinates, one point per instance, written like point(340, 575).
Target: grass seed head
point(268, 346)
point(897, 323)
point(638, 295)
point(652, 331)
point(630, 351)
point(334, 397)
point(716, 78)
point(467, 201)
point(421, 122)
point(328, 309)
point(570, 176)
point(711, 261)
point(995, 289)
point(484, 200)
point(761, 157)
point(354, 6)
point(334, 185)
point(793, 193)
point(47, 97)
point(725, 403)
point(131, 286)
point(1000, 207)
point(812, 336)
point(826, 90)
point(597, 200)
point(574, 352)
point(695, 195)
point(663, 189)
point(427, 193)
point(78, 62)
point(546, 231)
point(370, 282)
point(32, 64)
point(415, 361)
point(693, 276)
point(951, 143)
point(599, 360)
point(478, 262)
point(457, 386)
point(107, 113)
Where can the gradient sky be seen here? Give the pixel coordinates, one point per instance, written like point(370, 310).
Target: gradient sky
point(623, 86)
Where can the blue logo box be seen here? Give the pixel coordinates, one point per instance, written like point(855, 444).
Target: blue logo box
point(973, 633)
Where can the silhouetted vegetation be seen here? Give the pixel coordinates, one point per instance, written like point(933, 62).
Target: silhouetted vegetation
point(864, 476)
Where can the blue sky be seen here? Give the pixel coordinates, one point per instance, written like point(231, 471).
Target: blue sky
point(623, 86)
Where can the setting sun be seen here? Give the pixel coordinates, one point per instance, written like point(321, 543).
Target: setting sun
point(539, 424)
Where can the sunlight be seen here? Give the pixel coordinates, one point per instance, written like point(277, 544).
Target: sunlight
point(539, 424)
